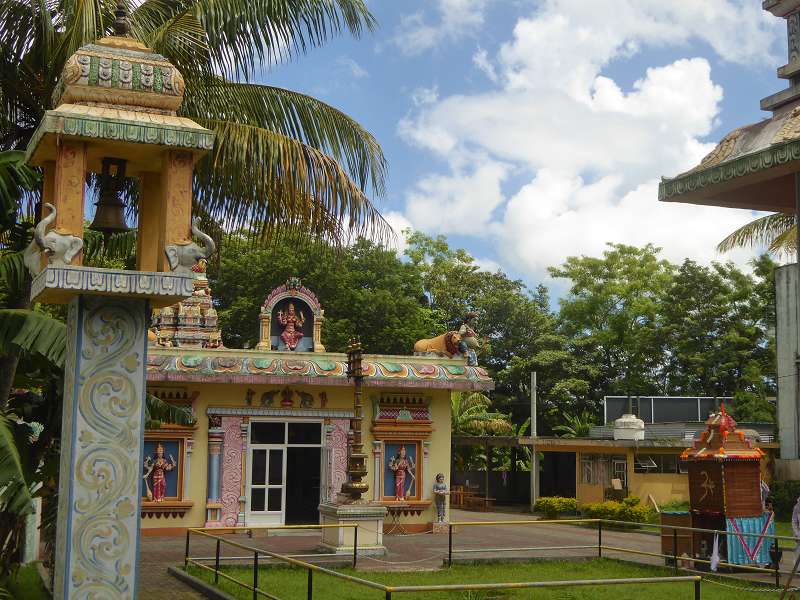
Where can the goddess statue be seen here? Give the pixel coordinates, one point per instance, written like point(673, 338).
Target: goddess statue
point(402, 465)
point(292, 326)
point(469, 339)
point(157, 471)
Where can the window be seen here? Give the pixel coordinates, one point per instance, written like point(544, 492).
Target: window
point(587, 470)
point(658, 463)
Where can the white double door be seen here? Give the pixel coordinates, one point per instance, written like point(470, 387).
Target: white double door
point(275, 447)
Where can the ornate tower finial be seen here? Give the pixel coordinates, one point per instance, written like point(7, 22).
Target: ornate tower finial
point(122, 26)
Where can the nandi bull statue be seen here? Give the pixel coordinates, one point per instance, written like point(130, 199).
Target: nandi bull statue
point(59, 248)
point(453, 344)
point(182, 257)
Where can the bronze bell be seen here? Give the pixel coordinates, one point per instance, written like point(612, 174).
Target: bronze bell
point(109, 216)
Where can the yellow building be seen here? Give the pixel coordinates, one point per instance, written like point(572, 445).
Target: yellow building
point(650, 468)
point(270, 442)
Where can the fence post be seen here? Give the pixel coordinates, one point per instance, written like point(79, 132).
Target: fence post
point(186, 556)
point(255, 575)
point(599, 539)
point(310, 584)
point(216, 565)
point(355, 545)
point(388, 595)
point(675, 548)
point(697, 589)
point(449, 545)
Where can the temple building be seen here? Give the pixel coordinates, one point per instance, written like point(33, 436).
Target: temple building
point(270, 440)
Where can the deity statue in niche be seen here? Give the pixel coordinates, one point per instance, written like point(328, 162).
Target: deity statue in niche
point(439, 495)
point(156, 471)
point(292, 323)
point(402, 465)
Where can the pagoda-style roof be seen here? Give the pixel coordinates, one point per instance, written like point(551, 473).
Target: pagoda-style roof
point(118, 90)
point(722, 441)
point(754, 166)
point(254, 367)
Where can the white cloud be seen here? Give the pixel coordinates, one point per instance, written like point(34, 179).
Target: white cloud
point(351, 67)
point(585, 154)
point(456, 19)
point(482, 62)
point(425, 95)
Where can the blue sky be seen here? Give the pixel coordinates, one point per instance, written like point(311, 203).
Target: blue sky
point(528, 131)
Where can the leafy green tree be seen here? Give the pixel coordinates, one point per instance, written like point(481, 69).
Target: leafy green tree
point(610, 316)
point(365, 289)
point(715, 323)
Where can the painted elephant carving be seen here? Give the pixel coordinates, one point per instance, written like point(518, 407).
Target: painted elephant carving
point(183, 257)
point(59, 248)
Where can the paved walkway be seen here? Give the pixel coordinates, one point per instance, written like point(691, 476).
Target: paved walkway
point(420, 551)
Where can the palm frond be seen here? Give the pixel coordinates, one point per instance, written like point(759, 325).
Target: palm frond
point(242, 34)
point(172, 29)
point(298, 116)
point(156, 412)
point(16, 179)
point(762, 231)
point(260, 179)
point(118, 246)
point(15, 497)
point(13, 273)
point(34, 332)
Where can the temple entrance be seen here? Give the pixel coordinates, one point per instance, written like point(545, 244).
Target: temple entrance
point(283, 472)
point(302, 485)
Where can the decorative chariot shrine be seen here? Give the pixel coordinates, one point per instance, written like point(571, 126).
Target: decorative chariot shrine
point(725, 493)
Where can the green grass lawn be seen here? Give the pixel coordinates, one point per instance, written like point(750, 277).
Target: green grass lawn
point(290, 584)
point(25, 584)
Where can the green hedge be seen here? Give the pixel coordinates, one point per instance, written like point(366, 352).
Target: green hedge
point(784, 495)
point(630, 509)
point(553, 506)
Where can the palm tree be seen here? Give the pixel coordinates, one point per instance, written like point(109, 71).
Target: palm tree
point(282, 159)
point(778, 232)
point(576, 426)
point(470, 415)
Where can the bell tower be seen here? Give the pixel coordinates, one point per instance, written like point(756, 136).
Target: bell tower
point(114, 117)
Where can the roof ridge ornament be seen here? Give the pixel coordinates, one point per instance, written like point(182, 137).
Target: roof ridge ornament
point(122, 24)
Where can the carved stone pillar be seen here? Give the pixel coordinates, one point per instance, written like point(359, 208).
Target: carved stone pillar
point(69, 185)
point(244, 429)
point(427, 477)
point(377, 463)
point(265, 322)
point(149, 243)
point(213, 504)
point(176, 203)
point(101, 449)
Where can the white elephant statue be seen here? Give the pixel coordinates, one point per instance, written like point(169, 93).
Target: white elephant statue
point(182, 257)
point(59, 248)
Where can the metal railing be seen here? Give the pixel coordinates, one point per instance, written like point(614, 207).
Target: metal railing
point(600, 546)
point(259, 590)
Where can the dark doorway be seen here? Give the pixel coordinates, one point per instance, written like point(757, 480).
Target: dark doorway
point(302, 485)
point(557, 477)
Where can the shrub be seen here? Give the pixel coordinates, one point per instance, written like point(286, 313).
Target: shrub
point(630, 509)
point(553, 506)
point(784, 495)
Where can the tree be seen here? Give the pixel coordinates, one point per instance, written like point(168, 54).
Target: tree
point(714, 326)
point(610, 316)
point(282, 160)
point(470, 414)
point(577, 426)
point(365, 289)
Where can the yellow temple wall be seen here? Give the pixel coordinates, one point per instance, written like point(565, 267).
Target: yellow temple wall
point(213, 395)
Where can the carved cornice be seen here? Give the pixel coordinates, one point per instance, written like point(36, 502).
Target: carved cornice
point(749, 164)
point(166, 509)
